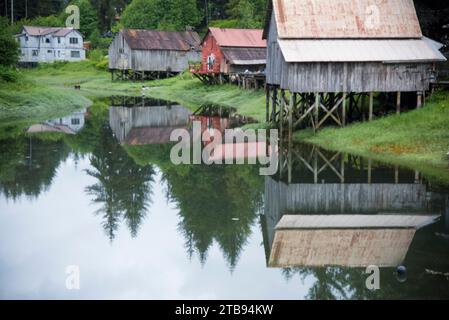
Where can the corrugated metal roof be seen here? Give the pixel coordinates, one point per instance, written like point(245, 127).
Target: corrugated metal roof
point(43, 31)
point(346, 248)
point(324, 19)
point(355, 221)
point(399, 50)
point(246, 38)
point(246, 56)
point(161, 40)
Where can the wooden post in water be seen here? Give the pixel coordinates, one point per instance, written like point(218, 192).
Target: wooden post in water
point(398, 103)
point(371, 105)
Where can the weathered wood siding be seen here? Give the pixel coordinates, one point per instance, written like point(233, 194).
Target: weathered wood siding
point(162, 60)
point(342, 77)
point(275, 59)
point(210, 46)
point(354, 77)
point(119, 54)
point(122, 57)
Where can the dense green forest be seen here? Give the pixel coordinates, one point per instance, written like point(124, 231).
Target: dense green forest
point(105, 15)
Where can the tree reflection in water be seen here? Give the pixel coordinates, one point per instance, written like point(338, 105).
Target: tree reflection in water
point(123, 189)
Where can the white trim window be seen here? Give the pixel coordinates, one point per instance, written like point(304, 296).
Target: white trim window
point(35, 53)
point(73, 40)
point(75, 54)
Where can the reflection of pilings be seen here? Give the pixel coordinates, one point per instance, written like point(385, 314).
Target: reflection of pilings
point(316, 162)
point(310, 163)
point(138, 101)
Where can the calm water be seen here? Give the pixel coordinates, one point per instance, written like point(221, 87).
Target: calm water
point(97, 190)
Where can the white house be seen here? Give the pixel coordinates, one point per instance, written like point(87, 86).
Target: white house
point(45, 44)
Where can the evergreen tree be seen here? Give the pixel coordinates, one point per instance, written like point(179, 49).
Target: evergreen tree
point(9, 48)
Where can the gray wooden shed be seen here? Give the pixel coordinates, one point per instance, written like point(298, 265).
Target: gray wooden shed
point(149, 54)
point(328, 54)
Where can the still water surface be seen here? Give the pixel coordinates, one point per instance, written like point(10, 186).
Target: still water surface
point(97, 190)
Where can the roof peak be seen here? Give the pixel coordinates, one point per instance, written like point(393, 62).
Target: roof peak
point(352, 19)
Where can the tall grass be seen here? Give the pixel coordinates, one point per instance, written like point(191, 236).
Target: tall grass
point(418, 139)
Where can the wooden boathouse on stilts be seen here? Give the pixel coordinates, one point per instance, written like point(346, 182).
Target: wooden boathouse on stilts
point(232, 55)
point(149, 54)
point(327, 60)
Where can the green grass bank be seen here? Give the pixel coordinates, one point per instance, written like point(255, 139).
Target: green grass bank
point(417, 139)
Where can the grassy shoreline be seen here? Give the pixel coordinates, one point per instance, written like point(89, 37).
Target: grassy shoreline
point(418, 139)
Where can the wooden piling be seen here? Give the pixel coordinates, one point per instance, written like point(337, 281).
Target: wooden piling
point(267, 102)
point(371, 105)
point(317, 109)
point(398, 103)
point(418, 100)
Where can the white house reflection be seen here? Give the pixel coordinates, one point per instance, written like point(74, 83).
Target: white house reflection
point(70, 124)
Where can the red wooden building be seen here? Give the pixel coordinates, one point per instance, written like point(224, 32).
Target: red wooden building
point(227, 52)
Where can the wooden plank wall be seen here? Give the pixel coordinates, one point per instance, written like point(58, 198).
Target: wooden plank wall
point(162, 60)
point(117, 60)
point(342, 77)
point(148, 60)
point(345, 198)
point(355, 77)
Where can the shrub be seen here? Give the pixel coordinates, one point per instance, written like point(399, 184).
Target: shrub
point(95, 55)
point(8, 74)
point(103, 64)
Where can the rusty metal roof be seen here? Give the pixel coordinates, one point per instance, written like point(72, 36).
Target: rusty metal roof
point(43, 31)
point(345, 240)
point(324, 19)
point(361, 50)
point(246, 56)
point(341, 247)
point(161, 40)
point(243, 38)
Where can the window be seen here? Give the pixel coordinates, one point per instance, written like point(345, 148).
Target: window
point(47, 40)
point(210, 62)
point(59, 40)
point(73, 40)
point(75, 121)
point(35, 53)
point(75, 54)
point(49, 51)
point(59, 54)
point(121, 50)
point(26, 38)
